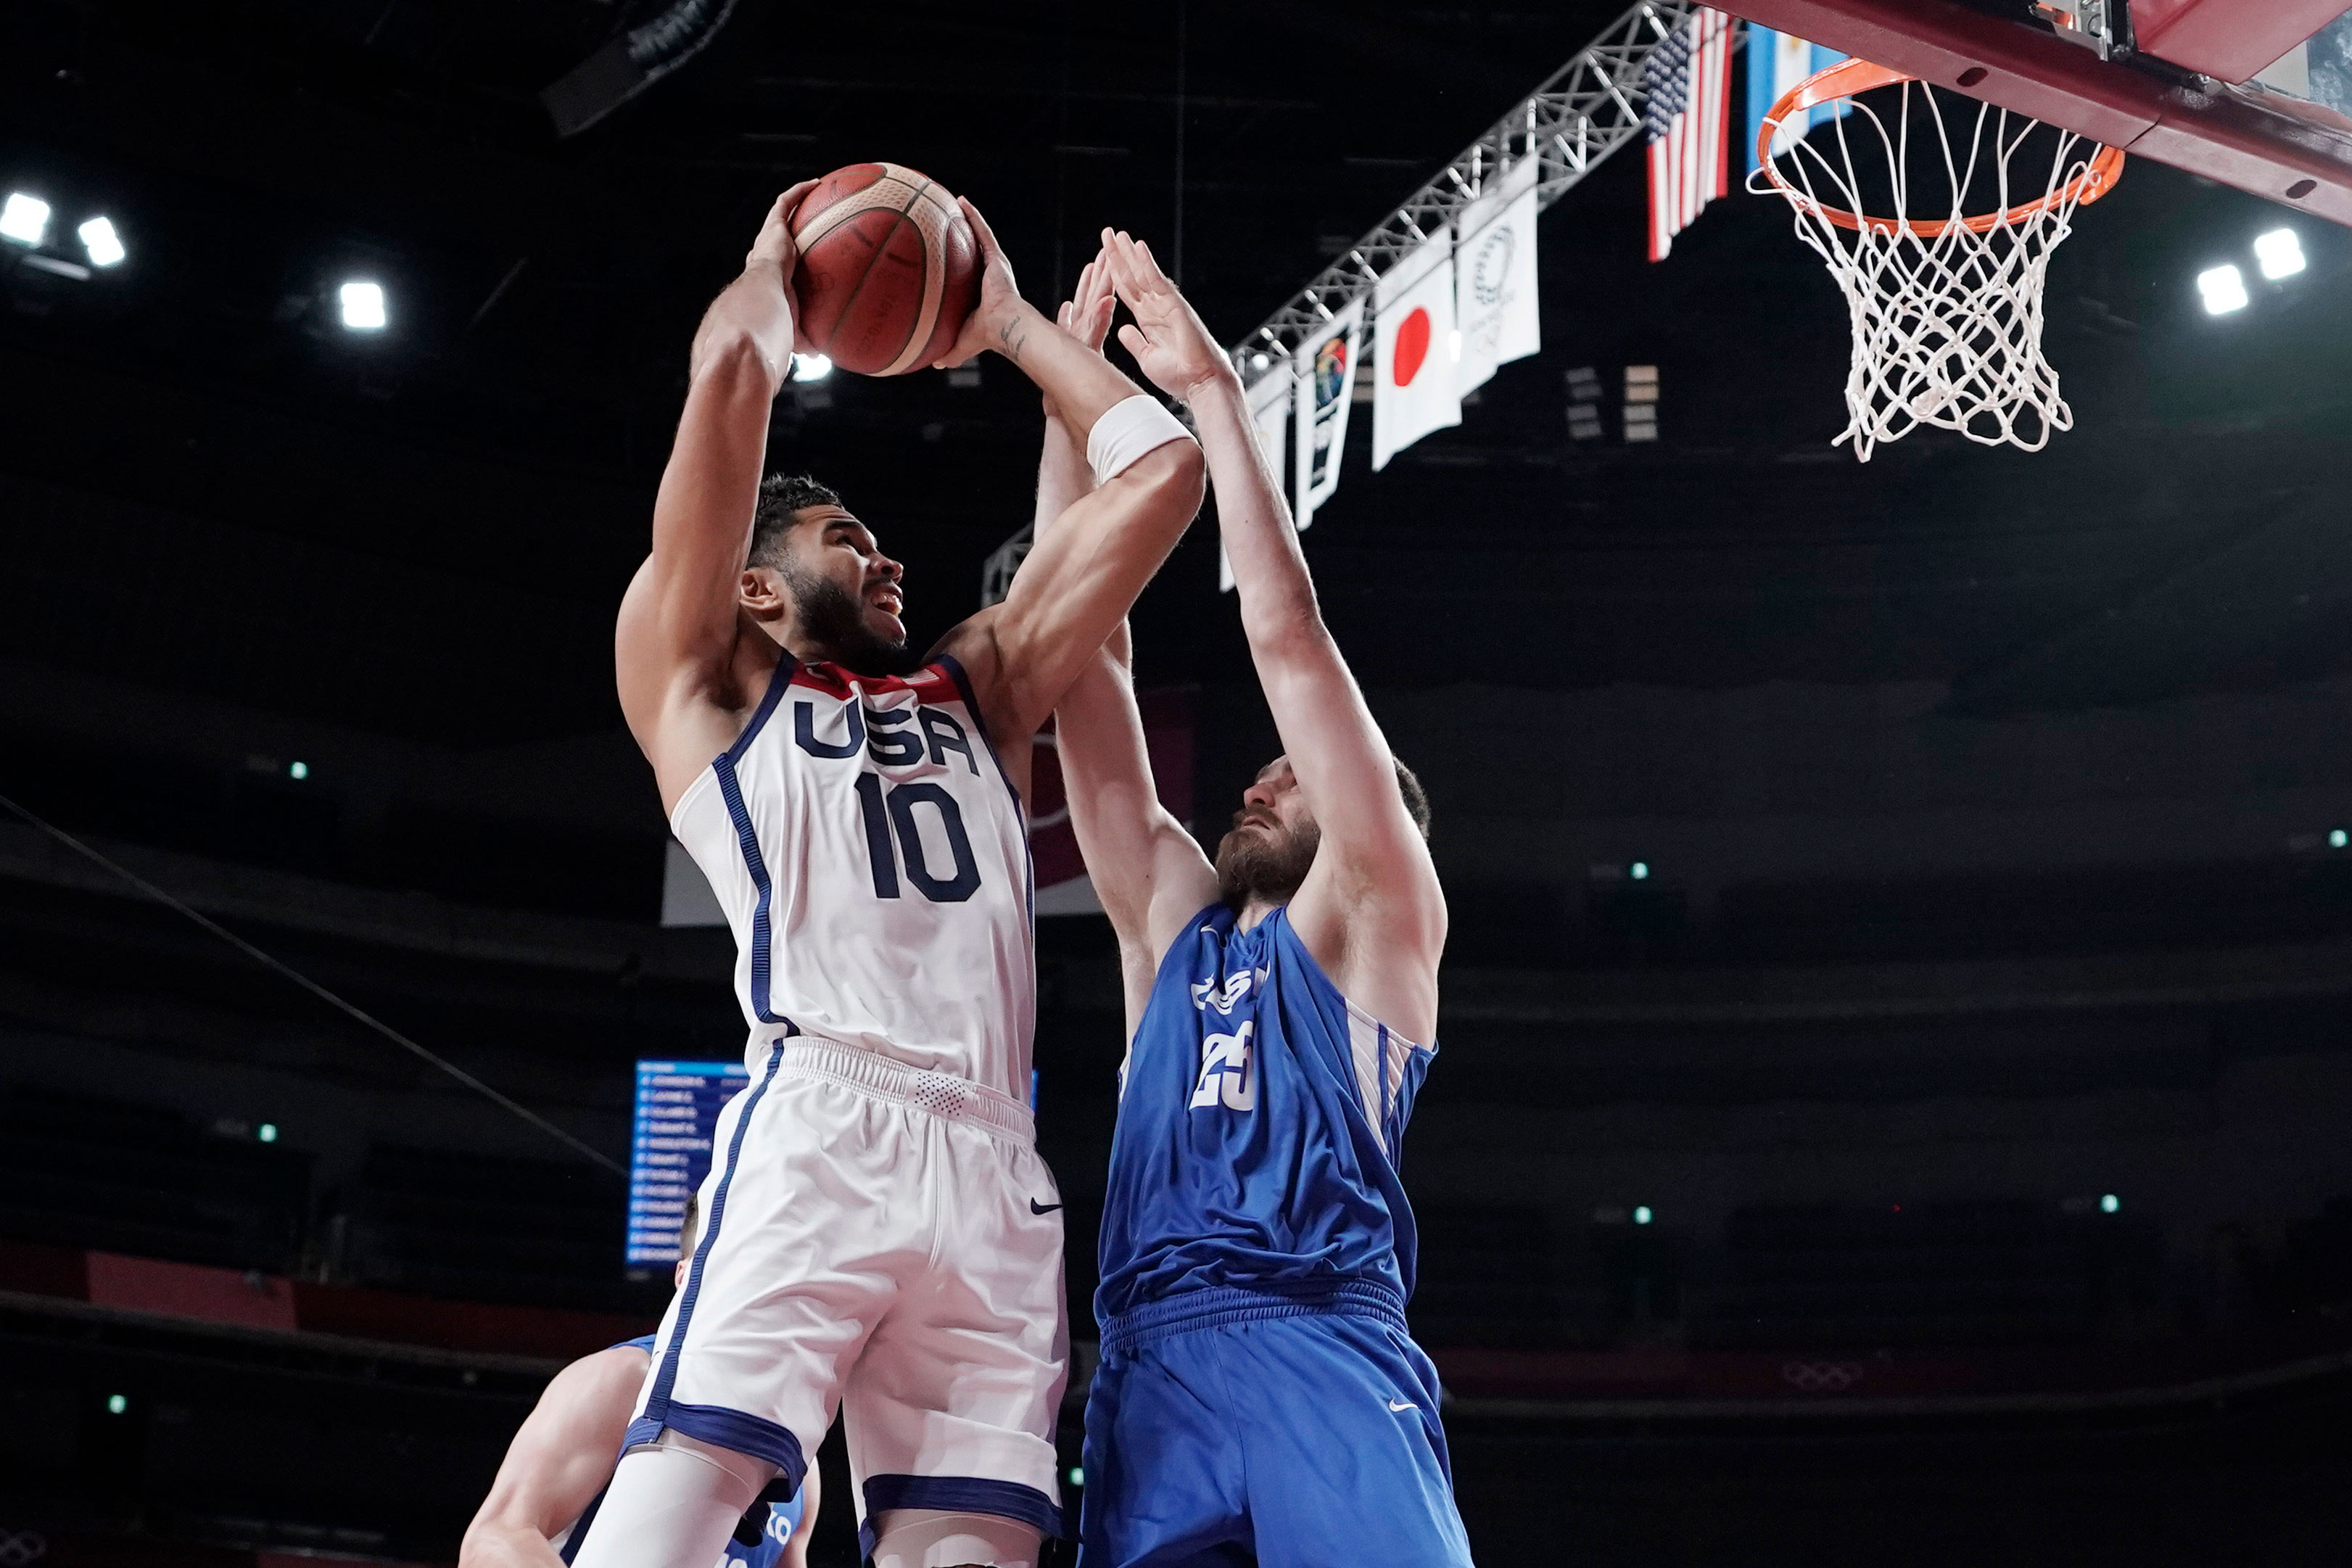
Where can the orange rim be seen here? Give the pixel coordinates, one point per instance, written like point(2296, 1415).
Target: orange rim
point(1849, 77)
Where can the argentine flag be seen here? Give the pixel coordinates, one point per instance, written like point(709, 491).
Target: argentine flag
point(1777, 62)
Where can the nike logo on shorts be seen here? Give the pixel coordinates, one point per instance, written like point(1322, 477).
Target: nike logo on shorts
point(1397, 1405)
point(1036, 1207)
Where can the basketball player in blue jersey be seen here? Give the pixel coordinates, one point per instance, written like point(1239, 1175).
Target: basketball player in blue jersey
point(553, 1477)
point(881, 1234)
point(1258, 1400)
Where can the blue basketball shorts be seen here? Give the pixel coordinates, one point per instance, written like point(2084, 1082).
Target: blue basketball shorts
point(1268, 1433)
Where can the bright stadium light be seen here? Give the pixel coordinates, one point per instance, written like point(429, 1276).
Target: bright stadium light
point(2109, 1204)
point(23, 218)
point(2224, 289)
point(2337, 838)
point(1641, 1215)
point(1639, 870)
point(104, 246)
point(116, 1404)
point(266, 1132)
point(362, 306)
point(811, 367)
point(2280, 252)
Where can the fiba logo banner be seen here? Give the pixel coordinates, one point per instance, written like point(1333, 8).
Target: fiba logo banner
point(1227, 1076)
point(1326, 375)
point(1497, 303)
point(1415, 349)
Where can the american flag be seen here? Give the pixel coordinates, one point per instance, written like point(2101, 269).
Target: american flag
point(1687, 82)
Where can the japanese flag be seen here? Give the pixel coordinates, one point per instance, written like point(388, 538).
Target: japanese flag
point(1495, 277)
point(1413, 349)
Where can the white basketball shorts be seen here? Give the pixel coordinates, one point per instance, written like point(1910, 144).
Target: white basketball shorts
point(885, 1240)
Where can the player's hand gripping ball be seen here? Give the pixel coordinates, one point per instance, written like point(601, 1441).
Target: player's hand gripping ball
point(889, 270)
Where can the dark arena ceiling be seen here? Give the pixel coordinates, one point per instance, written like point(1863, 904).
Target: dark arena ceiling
point(214, 489)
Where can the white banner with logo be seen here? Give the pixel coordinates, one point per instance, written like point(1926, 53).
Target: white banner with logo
point(1326, 369)
point(1495, 287)
point(1413, 349)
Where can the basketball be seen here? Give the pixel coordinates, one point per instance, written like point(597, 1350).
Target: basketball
point(889, 269)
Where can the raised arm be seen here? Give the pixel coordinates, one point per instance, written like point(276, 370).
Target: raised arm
point(1145, 867)
point(1372, 910)
point(677, 644)
point(1082, 574)
point(559, 1460)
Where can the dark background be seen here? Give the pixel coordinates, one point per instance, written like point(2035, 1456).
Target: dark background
point(1984, 798)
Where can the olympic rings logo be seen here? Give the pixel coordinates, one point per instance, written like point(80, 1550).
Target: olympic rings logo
point(20, 1548)
point(1821, 1376)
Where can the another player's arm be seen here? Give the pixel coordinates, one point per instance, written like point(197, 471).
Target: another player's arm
point(559, 1460)
point(1147, 870)
point(1371, 912)
point(1082, 574)
point(677, 639)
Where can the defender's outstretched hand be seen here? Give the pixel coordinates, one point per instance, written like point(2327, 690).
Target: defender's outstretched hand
point(1086, 314)
point(1000, 307)
point(1170, 341)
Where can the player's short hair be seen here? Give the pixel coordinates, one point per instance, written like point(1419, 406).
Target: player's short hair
point(1416, 799)
point(783, 497)
point(689, 1223)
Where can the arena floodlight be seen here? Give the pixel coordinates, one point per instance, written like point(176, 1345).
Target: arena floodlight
point(811, 367)
point(362, 304)
point(1639, 870)
point(2224, 289)
point(266, 1132)
point(2279, 253)
point(98, 239)
point(117, 1403)
point(2110, 1204)
point(2337, 838)
point(1641, 1215)
point(23, 218)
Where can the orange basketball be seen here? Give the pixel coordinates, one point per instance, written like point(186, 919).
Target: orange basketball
point(888, 271)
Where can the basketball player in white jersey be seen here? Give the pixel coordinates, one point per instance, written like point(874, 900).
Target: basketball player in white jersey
point(553, 1480)
point(881, 1231)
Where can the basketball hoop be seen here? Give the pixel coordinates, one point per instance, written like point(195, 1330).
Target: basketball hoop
point(1947, 310)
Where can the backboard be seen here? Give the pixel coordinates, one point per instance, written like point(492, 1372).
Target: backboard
point(2175, 80)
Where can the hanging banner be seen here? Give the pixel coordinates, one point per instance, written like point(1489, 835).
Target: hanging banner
point(1270, 398)
point(1495, 285)
point(1413, 350)
point(1777, 63)
point(1326, 380)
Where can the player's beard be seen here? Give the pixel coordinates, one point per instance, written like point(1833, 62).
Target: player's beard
point(833, 618)
point(1268, 867)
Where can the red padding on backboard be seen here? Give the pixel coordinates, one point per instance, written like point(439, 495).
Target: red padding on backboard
point(2228, 41)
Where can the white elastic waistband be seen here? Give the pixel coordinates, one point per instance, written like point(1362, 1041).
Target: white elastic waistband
point(938, 1093)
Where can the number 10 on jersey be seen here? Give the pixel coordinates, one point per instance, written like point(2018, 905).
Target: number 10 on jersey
point(894, 832)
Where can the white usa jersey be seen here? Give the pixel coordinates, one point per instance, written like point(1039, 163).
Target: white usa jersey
point(872, 856)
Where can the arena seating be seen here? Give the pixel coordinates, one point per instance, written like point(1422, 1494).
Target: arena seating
point(131, 1178)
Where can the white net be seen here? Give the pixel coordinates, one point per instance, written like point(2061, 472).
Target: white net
point(1945, 301)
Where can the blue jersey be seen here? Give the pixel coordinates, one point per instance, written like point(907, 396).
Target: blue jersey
point(1261, 1120)
point(760, 1535)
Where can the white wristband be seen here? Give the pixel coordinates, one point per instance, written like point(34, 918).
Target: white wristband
point(1126, 431)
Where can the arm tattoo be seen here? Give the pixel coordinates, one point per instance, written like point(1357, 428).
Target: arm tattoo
point(1011, 344)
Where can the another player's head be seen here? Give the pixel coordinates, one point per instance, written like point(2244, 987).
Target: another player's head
point(1271, 847)
point(812, 561)
point(688, 1227)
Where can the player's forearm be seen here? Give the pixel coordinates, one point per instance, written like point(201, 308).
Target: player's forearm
point(1062, 473)
point(753, 313)
point(1277, 598)
point(1082, 383)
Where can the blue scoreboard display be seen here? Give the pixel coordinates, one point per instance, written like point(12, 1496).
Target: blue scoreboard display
point(670, 1152)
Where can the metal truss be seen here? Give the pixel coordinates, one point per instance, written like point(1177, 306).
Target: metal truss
point(1587, 109)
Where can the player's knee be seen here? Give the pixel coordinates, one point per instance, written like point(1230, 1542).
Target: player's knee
point(933, 1538)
